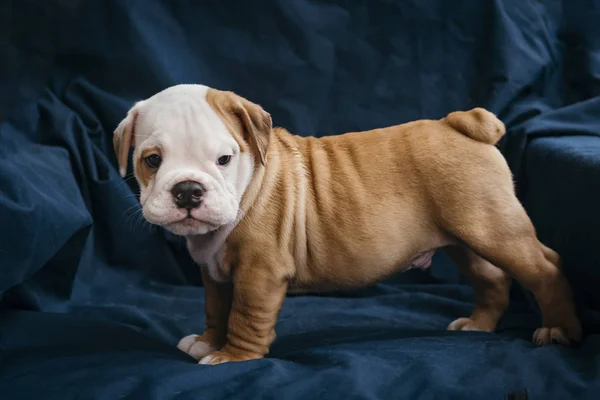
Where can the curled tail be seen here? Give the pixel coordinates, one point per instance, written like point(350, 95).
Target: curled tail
point(478, 124)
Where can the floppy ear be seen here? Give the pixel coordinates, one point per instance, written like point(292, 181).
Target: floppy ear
point(257, 125)
point(124, 138)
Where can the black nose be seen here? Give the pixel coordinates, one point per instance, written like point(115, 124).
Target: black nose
point(187, 194)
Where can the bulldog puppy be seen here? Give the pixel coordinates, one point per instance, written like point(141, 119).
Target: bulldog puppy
point(266, 212)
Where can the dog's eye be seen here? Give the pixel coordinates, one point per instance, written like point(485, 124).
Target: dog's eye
point(153, 160)
point(224, 160)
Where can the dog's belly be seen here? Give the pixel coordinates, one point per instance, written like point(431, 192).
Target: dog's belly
point(368, 275)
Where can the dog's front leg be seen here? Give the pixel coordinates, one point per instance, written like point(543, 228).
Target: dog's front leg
point(258, 295)
point(217, 307)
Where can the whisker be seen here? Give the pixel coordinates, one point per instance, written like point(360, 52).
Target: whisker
point(137, 219)
point(123, 181)
point(129, 209)
point(143, 223)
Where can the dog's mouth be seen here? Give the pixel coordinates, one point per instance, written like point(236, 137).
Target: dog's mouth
point(190, 225)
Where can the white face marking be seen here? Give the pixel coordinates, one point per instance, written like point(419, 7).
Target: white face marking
point(191, 138)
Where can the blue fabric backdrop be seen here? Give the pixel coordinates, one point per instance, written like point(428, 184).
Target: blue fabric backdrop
point(94, 300)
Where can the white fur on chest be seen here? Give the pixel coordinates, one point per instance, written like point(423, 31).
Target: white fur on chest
point(215, 269)
point(208, 251)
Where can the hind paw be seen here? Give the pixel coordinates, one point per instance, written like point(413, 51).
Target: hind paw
point(555, 335)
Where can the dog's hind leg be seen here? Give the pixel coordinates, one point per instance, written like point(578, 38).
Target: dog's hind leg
point(491, 286)
point(504, 236)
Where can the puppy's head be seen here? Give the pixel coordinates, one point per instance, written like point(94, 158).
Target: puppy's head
point(195, 152)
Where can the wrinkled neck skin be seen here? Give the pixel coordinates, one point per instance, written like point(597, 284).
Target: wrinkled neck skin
point(203, 248)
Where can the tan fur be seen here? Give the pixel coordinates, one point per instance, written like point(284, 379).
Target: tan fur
point(478, 124)
point(249, 124)
point(124, 139)
point(142, 170)
point(349, 210)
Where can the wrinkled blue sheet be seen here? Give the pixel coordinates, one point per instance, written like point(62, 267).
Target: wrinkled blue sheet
point(94, 300)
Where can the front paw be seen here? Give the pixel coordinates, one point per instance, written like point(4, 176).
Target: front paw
point(223, 356)
point(469, 324)
point(196, 346)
